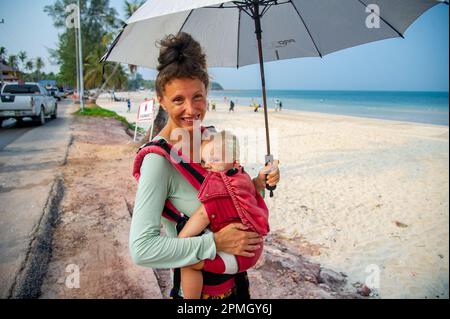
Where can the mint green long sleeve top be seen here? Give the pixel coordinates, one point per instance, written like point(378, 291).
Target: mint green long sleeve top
point(159, 181)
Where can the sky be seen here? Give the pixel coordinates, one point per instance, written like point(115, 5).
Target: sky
point(420, 62)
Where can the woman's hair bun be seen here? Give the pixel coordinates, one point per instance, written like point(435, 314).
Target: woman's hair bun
point(180, 56)
point(178, 49)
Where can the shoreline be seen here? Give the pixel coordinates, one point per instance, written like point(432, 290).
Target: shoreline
point(120, 108)
point(410, 106)
point(367, 118)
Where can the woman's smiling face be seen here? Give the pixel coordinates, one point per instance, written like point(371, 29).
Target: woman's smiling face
point(184, 99)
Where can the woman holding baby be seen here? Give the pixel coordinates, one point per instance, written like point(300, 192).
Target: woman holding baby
point(212, 264)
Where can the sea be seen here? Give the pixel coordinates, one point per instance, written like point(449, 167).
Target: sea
point(409, 106)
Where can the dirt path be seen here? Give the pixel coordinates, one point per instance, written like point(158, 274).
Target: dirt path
point(92, 232)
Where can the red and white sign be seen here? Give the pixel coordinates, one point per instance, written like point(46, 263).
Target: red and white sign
point(147, 111)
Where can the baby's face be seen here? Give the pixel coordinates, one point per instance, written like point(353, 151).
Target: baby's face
point(217, 165)
point(214, 161)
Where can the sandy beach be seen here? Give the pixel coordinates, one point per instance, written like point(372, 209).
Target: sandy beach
point(366, 197)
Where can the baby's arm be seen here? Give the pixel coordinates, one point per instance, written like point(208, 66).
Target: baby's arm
point(196, 223)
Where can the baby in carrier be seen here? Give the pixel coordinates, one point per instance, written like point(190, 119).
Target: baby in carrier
point(228, 195)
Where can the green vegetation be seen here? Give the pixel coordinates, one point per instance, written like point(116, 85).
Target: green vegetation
point(99, 22)
point(216, 86)
point(95, 110)
point(21, 63)
point(137, 82)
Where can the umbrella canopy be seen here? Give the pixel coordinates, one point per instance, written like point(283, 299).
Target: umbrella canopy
point(238, 33)
point(290, 29)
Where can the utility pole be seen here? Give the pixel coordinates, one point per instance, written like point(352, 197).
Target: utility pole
point(80, 58)
point(76, 59)
point(2, 21)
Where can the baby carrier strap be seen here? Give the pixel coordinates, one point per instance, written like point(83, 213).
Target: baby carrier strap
point(193, 172)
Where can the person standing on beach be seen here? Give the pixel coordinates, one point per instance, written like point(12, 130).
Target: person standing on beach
point(231, 106)
point(128, 105)
point(278, 105)
point(257, 106)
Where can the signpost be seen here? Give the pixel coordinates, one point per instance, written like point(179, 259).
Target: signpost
point(146, 113)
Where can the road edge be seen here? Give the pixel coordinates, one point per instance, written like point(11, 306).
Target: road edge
point(30, 277)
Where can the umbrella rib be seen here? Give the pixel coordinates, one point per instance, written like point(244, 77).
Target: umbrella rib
point(238, 31)
point(390, 26)
point(266, 8)
point(106, 56)
point(309, 33)
point(182, 26)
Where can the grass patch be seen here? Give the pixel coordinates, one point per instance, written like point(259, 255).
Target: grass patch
point(95, 110)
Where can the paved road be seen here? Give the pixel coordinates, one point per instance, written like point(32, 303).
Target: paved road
point(30, 160)
point(7, 136)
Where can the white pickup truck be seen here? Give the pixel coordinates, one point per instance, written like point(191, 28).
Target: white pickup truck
point(27, 100)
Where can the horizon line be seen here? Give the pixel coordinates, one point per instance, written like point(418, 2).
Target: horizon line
point(337, 90)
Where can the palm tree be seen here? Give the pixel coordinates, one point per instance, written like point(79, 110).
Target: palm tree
point(93, 78)
point(39, 65)
point(93, 70)
point(2, 53)
point(131, 7)
point(12, 62)
point(22, 57)
point(29, 65)
point(101, 75)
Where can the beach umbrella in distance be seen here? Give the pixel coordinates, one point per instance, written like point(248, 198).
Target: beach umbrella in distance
point(239, 33)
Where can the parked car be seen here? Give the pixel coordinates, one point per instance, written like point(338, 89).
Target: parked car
point(55, 92)
point(62, 93)
point(27, 100)
point(68, 91)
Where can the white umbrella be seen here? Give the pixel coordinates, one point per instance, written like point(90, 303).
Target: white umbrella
point(284, 29)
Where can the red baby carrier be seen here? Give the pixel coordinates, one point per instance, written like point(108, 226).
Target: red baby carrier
point(194, 173)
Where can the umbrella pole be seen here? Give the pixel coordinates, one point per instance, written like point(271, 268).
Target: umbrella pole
point(261, 69)
point(258, 32)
